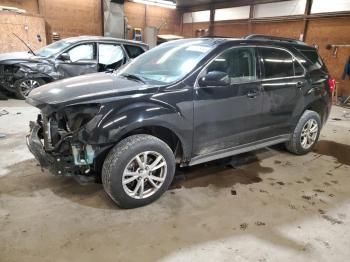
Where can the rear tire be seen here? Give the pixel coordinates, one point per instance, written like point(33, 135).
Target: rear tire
point(138, 170)
point(305, 134)
point(25, 85)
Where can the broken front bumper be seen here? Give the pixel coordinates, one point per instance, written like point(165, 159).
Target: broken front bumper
point(36, 147)
point(6, 81)
point(58, 165)
point(76, 161)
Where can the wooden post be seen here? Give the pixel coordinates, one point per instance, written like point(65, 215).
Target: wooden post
point(251, 16)
point(211, 21)
point(102, 18)
point(305, 18)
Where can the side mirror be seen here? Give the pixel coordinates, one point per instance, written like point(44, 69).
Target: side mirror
point(65, 57)
point(214, 78)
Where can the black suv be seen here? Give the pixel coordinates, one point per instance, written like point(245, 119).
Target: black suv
point(187, 102)
point(20, 72)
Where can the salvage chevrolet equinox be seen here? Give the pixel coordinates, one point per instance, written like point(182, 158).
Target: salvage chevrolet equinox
point(184, 102)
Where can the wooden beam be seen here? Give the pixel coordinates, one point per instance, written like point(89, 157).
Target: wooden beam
point(251, 17)
point(211, 21)
point(145, 18)
point(225, 4)
point(306, 20)
point(103, 18)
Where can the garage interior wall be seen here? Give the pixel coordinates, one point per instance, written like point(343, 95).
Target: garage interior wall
point(141, 16)
point(31, 6)
point(68, 18)
point(72, 18)
point(320, 31)
point(26, 26)
point(84, 17)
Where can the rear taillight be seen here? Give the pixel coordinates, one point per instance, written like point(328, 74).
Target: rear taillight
point(331, 84)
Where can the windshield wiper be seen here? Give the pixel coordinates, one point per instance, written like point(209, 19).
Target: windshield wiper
point(134, 77)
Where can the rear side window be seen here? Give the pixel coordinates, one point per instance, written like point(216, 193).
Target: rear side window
point(311, 55)
point(133, 51)
point(313, 58)
point(277, 63)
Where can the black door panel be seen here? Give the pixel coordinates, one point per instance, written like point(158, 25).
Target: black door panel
point(279, 101)
point(227, 116)
point(281, 91)
point(82, 60)
point(69, 69)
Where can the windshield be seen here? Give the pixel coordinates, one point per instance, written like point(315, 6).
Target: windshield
point(167, 62)
point(52, 49)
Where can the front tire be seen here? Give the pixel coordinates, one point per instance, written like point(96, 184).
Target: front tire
point(24, 86)
point(138, 170)
point(305, 134)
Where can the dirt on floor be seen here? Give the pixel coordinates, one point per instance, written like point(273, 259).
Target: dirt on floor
point(267, 205)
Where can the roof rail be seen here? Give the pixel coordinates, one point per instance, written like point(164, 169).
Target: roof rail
point(274, 38)
point(214, 36)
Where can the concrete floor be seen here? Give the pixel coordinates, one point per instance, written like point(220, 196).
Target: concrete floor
point(274, 207)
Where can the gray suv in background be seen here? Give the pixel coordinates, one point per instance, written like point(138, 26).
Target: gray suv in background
point(21, 72)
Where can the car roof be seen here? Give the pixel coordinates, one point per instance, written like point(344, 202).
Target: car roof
point(76, 39)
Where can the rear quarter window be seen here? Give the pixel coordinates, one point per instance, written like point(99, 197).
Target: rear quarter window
point(133, 51)
point(313, 58)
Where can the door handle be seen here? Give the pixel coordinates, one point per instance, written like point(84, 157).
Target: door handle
point(252, 94)
point(300, 84)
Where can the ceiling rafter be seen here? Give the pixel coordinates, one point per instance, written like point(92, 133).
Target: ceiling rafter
point(198, 5)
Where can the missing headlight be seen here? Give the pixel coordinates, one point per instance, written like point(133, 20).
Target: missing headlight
point(79, 115)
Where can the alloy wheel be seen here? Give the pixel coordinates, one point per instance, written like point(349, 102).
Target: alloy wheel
point(309, 133)
point(28, 85)
point(144, 175)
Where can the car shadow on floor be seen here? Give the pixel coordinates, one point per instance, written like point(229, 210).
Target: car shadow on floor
point(223, 173)
point(26, 178)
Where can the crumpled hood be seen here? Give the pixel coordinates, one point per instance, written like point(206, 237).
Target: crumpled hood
point(16, 56)
point(82, 88)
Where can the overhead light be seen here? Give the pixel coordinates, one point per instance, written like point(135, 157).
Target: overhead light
point(161, 3)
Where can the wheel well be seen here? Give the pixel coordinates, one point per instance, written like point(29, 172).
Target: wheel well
point(317, 107)
point(164, 134)
point(46, 79)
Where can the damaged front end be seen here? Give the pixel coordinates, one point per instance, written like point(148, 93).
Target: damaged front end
point(12, 71)
point(54, 141)
point(8, 76)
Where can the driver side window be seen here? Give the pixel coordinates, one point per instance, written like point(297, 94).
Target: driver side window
point(81, 52)
point(238, 63)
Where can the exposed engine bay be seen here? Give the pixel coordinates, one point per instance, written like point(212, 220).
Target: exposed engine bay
point(54, 141)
